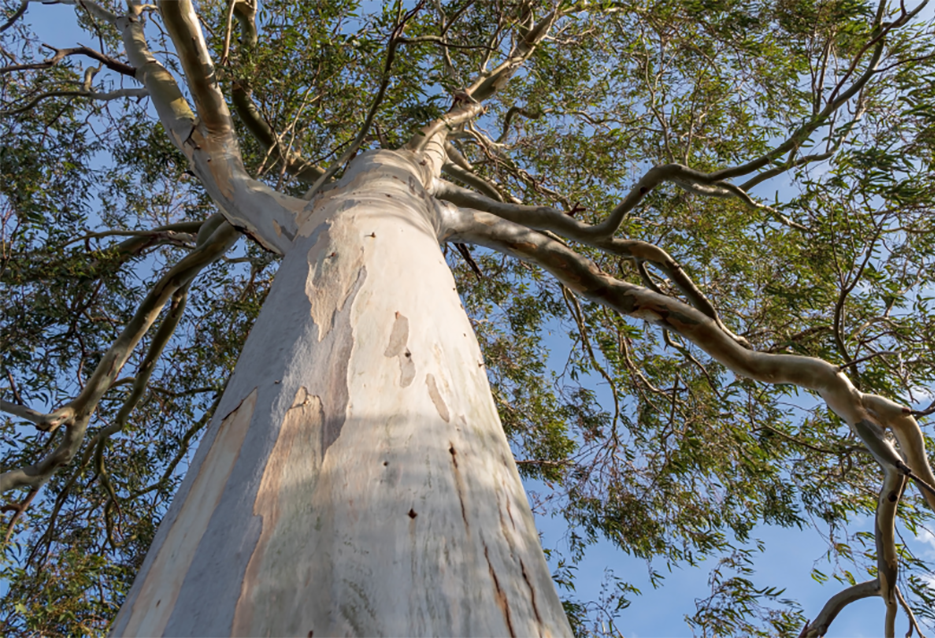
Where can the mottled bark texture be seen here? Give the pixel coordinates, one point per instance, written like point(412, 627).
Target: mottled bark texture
point(356, 480)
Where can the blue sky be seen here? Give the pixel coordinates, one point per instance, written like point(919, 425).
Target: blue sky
point(787, 561)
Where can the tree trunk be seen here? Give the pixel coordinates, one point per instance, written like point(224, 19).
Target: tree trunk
point(356, 479)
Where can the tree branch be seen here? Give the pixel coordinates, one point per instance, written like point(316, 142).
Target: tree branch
point(801, 134)
point(551, 219)
point(819, 627)
point(46, 422)
point(246, 109)
point(61, 54)
point(468, 103)
point(269, 217)
point(913, 623)
point(20, 10)
point(104, 97)
point(866, 414)
point(183, 27)
point(221, 236)
point(245, 106)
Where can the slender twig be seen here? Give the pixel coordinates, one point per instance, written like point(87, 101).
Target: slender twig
point(23, 5)
point(104, 97)
point(18, 510)
point(873, 355)
point(61, 54)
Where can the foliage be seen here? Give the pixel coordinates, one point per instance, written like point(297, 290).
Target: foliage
point(641, 437)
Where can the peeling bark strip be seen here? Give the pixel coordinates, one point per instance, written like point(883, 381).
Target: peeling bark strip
point(396, 347)
point(154, 605)
point(296, 446)
point(337, 261)
point(437, 398)
point(336, 397)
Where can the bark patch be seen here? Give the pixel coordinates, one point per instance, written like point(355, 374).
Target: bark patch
point(396, 347)
point(334, 400)
point(163, 582)
point(335, 262)
point(437, 398)
point(296, 444)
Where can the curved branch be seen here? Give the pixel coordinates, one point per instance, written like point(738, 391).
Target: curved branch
point(20, 10)
point(551, 219)
point(262, 132)
point(866, 414)
point(104, 97)
point(548, 218)
point(801, 134)
point(511, 113)
point(819, 627)
point(468, 103)
point(265, 215)
point(913, 623)
point(46, 422)
point(61, 54)
point(467, 177)
point(222, 237)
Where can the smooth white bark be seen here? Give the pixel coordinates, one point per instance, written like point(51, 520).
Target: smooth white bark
point(356, 479)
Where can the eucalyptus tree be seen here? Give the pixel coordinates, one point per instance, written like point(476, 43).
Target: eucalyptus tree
point(725, 204)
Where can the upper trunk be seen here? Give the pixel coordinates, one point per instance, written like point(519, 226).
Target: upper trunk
point(356, 479)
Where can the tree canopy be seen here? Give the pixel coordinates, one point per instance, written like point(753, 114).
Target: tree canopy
point(768, 163)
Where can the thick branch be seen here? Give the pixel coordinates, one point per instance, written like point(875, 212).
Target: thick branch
point(48, 422)
point(866, 414)
point(551, 219)
point(182, 24)
point(265, 215)
point(885, 534)
point(548, 218)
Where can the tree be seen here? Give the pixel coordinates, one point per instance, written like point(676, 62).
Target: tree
point(607, 161)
